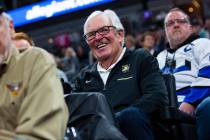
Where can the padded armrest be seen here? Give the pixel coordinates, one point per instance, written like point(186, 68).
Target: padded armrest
point(174, 115)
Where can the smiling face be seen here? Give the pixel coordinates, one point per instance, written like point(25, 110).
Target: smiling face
point(106, 44)
point(177, 28)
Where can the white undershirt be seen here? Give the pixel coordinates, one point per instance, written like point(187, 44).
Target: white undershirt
point(152, 51)
point(104, 73)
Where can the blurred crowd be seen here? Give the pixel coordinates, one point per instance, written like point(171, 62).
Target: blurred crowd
point(71, 57)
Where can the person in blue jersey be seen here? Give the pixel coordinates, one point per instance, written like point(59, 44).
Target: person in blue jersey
point(187, 57)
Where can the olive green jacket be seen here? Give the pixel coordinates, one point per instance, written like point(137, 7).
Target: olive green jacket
point(32, 106)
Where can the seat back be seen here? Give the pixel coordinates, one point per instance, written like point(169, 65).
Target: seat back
point(170, 83)
point(181, 126)
point(92, 117)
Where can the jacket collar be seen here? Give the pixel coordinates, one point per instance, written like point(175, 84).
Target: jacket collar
point(190, 39)
point(126, 54)
point(12, 53)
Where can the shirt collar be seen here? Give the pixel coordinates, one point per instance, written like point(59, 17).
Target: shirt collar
point(190, 39)
point(12, 51)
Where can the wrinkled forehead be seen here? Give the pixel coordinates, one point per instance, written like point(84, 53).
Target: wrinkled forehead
point(175, 15)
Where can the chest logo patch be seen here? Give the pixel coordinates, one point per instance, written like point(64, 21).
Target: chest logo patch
point(14, 88)
point(188, 48)
point(125, 68)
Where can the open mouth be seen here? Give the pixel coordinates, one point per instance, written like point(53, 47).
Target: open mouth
point(101, 45)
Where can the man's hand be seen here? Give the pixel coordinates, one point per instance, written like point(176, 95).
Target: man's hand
point(187, 108)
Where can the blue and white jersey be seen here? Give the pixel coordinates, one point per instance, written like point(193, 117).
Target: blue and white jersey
point(190, 64)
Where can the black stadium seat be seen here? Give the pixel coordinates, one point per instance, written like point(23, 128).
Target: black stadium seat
point(178, 125)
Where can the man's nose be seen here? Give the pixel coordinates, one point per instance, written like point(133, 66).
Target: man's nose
point(98, 35)
point(176, 24)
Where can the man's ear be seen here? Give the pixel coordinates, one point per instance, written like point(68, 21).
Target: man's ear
point(121, 34)
point(12, 29)
point(191, 28)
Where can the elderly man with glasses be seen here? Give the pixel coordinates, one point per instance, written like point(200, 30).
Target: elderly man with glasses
point(32, 106)
point(131, 80)
point(187, 57)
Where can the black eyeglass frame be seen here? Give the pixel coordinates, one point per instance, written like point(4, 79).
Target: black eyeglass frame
point(180, 21)
point(102, 31)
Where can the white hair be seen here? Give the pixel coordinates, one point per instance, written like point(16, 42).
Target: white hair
point(3, 56)
point(7, 16)
point(93, 14)
point(111, 15)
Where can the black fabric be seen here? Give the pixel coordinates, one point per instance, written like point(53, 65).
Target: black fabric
point(174, 124)
point(3, 68)
point(1, 9)
point(170, 83)
point(92, 117)
point(66, 87)
point(134, 81)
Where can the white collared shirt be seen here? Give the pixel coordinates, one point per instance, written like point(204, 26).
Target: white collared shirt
point(104, 73)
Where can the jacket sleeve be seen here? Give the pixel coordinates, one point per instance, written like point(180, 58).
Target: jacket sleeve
point(78, 87)
point(151, 84)
point(43, 113)
point(79, 82)
point(200, 87)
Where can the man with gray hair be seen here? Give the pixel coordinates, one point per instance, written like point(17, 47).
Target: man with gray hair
point(31, 96)
point(130, 80)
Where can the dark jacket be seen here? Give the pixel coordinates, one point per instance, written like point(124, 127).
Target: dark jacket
point(134, 81)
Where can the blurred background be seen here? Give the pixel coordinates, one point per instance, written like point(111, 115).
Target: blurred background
point(57, 25)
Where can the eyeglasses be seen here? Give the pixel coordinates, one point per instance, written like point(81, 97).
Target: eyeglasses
point(179, 21)
point(102, 31)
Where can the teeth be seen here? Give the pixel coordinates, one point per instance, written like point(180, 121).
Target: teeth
point(102, 45)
